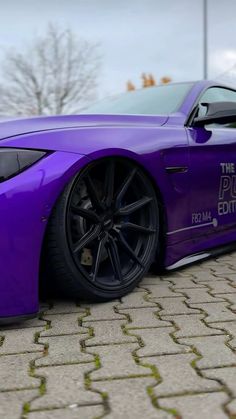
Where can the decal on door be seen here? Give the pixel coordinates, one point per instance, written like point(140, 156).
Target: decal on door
point(201, 217)
point(227, 189)
point(226, 200)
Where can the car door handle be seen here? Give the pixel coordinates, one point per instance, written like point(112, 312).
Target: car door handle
point(177, 169)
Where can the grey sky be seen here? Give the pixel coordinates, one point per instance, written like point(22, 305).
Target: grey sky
point(163, 37)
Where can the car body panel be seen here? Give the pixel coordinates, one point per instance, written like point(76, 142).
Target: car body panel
point(151, 147)
point(25, 205)
point(158, 144)
point(21, 126)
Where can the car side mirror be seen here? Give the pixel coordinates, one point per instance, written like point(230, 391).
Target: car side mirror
point(217, 112)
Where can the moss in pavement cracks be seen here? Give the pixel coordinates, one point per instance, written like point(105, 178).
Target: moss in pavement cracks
point(26, 408)
point(97, 365)
point(97, 362)
point(155, 403)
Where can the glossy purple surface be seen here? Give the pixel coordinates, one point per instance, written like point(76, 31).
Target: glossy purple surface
point(195, 218)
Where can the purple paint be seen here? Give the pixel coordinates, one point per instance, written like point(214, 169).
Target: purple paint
point(197, 217)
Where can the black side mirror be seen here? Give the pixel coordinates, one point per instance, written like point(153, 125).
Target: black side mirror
point(217, 112)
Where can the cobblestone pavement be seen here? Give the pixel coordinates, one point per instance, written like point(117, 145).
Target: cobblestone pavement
point(167, 350)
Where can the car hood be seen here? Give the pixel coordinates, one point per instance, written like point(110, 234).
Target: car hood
point(10, 127)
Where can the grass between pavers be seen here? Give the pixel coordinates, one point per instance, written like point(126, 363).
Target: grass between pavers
point(154, 372)
point(191, 349)
point(97, 365)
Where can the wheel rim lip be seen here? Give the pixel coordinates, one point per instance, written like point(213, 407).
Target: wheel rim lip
point(134, 268)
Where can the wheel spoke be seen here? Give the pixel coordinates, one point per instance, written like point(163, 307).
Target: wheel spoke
point(109, 183)
point(97, 260)
point(89, 237)
point(136, 227)
point(113, 254)
point(112, 225)
point(96, 202)
point(134, 206)
point(126, 247)
point(121, 192)
point(85, 213)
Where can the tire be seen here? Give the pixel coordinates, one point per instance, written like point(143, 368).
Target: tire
point(103, 233)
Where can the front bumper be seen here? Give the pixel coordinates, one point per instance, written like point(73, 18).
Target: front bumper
point(26, 202)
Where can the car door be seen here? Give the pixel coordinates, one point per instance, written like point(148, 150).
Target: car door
point(213, 174)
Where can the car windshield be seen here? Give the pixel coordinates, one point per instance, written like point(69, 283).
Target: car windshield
point(158, 100)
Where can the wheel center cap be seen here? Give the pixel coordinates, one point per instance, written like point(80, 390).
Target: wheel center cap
point(108, 223)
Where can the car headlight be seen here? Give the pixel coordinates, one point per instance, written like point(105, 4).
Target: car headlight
point(13, 161)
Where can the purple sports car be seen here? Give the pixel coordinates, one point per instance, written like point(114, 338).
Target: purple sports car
point(89, 202)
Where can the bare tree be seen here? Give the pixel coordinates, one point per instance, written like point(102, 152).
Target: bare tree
point(58, 74)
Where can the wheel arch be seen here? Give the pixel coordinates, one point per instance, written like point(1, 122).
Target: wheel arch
point(160, 255)
point(132, 157)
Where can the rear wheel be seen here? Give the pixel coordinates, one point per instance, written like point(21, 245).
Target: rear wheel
point(103, 233)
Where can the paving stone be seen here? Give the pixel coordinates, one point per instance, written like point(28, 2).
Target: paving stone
point(108, 332)
point(179, 282)
point(213, 349)
point(154, 280)
point(197, 406)
point(65, 386)
point(73, 412)
point(232, 265)
point(231, 298)
point(192, 325)
point(63, 350)
point(64, 324)
point(161, 291)
point(11, 403)
point(178, 376)
point(124, 365)
point(205, 276)
point(195, 270)
point(63, 307)
point(159, 303)
point(232, 408)
point(216, 311)
point(139, 289)
point(196, 296)
point(157, 341)
point(135, 300)
point(129, 399)
point(226, 375)
point(209, 263)
point(231, 278)
point(221, 286)
point(174, 306)
point(14, 372)
point(144, 317)
point(222, 269)
point(230, 328)
point(225, 257)
point(232, 283)
point(103, 311)
point(21, 340)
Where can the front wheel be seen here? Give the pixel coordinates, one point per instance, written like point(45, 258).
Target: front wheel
point(102, 236)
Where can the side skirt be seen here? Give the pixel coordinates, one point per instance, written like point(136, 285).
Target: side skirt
point(202, 256)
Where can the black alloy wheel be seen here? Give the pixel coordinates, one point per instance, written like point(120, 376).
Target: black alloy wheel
point(106, 228)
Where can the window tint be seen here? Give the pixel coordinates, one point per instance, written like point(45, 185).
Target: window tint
point(216, 94)
point(158, 100)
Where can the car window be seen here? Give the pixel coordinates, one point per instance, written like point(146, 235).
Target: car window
point(158, 100)
point(217, 94)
